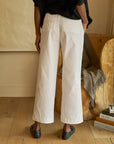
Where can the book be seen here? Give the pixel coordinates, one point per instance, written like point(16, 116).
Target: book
point(103, 126)
point(107, 117)
point(104, 120)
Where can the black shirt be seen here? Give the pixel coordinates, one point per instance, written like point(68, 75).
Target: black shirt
point(66, 8)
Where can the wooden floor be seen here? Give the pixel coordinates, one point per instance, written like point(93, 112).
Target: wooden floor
point(16, 118)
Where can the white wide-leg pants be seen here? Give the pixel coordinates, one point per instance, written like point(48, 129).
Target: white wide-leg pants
point(67, 34)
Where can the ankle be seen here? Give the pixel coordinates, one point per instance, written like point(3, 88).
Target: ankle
point(37, 125)
point(67, 127)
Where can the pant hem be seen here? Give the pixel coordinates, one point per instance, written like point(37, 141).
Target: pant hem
point(43, 121)
point(72, 122)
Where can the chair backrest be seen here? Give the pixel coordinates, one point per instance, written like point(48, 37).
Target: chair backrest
point(98, 41)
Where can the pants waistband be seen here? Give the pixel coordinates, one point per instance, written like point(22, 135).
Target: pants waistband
point(58, 16)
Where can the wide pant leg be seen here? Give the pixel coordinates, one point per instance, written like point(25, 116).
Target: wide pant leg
point(68, 34)
point(47, 71)
point(72, 39)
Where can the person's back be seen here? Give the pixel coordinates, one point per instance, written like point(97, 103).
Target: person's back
point(66, 8)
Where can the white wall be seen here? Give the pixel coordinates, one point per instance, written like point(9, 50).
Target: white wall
point(101, 12)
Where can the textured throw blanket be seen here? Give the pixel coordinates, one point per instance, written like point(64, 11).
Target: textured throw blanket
point(91, 73)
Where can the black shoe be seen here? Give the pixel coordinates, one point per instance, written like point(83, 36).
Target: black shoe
point(66, 135)
point(35, 133)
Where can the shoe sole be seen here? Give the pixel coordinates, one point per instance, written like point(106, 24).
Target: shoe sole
point(66, 135)
point(35, 133)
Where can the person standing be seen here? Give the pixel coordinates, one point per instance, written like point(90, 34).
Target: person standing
point(63, 24)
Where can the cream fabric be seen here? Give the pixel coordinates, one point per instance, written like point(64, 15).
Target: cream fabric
point(67, 34)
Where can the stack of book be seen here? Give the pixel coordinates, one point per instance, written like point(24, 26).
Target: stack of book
point(105, 120)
